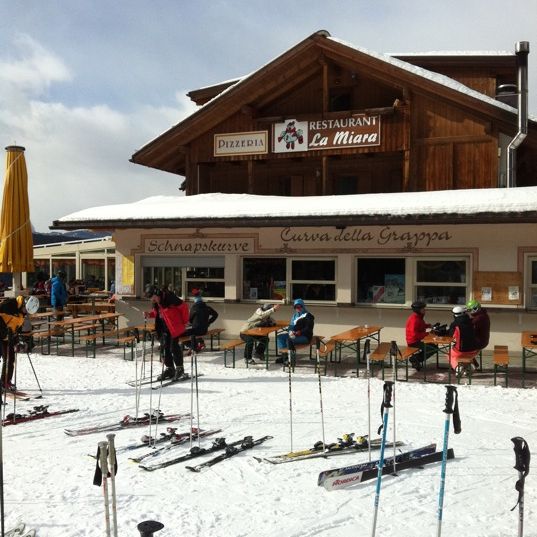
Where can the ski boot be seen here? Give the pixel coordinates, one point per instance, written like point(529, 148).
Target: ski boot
point(179, 373)
point(168, 373)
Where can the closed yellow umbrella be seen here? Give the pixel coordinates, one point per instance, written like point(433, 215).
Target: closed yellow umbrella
point(16, 245)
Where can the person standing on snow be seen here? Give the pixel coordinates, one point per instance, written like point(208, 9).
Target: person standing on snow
point(58, 294)
point(300, 329)
point(12, 321)
point(171, 316)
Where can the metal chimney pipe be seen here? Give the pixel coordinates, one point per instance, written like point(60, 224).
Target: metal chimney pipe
point(522, 51)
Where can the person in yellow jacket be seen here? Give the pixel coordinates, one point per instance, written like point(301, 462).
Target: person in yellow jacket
point(12, 318)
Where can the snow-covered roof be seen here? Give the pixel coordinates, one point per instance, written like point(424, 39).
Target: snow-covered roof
point(217, 206)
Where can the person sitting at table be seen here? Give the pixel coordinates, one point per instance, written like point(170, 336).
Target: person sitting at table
point(261, 317)
point(58, 294)
point(480, 321)
point(201, 316)
point(462, 331)
point(171, 317)
point(416, 330)
point(299, 331)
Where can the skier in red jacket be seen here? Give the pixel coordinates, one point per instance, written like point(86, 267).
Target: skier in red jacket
point(416, 330)
point(171, 317)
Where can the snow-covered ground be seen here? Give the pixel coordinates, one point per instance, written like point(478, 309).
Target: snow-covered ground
point(48, 475)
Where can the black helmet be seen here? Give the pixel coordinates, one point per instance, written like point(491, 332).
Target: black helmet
point(151, 290)
point(418, 305)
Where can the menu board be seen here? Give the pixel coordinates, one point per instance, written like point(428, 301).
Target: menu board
point(503, 288)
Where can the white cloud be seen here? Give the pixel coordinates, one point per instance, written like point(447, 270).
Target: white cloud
point(77, 157)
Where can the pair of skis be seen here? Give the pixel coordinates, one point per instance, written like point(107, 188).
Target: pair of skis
point(178, 439)
point(128, 422)
point(359, 473)
point(168, 382)
point(38, 413)
point(219, 444)
point(344, 446)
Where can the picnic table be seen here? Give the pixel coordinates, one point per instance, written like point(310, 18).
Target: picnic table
point(88, 322)
point(264, 332)
point(443, 346)
point(351, 339)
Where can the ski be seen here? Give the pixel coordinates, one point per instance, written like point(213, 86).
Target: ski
point(179, 439)
point(126, 423)
point(218, 445)
point(335, 483)
point(141, 382)
point(38, 413)
point(231, 450)
point(349, 444)
point(169, 382)
point(147, 440)
point(373, 465)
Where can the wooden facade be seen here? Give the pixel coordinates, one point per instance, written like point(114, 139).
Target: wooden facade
point(434, 135)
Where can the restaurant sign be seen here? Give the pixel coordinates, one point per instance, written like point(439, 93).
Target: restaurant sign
point(199, 245)
point(358, 130)
point(241, 143)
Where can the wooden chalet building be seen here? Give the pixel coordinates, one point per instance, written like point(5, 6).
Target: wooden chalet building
point(355, 180)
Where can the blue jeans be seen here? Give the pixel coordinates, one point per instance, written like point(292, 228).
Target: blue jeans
point(283, 340)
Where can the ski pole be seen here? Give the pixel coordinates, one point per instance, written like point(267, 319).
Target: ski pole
point(195, 354)
point(112, 464)
point(104, 469)
point(290, 346)
point(138, 388)
point(35, 375)
point(522, 464)
point(385, 408)
point(318, 343)
point(192, 342)
point(367, 352)
point(451, 407)
point(393, 356)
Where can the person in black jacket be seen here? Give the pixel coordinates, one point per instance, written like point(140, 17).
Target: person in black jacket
point(201, 316)
point(462, 331)
point(299, 331)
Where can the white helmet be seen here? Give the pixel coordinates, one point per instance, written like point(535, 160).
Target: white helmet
point(32, 304)
point(458, 310)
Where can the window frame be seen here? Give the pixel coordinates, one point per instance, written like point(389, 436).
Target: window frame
point(288, 279)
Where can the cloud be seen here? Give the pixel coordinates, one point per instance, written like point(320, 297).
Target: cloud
point(77, 157)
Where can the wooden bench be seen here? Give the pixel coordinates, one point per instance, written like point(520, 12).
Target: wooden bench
point(464, 364)
point(500, 360)
point(231, 346)
point(292, 353)
point(378, 356)
point(404, 355)
point(212, 333)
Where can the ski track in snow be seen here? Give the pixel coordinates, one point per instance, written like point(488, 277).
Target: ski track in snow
point(48, 475)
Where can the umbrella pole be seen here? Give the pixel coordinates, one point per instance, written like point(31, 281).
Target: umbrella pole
point(2, 480)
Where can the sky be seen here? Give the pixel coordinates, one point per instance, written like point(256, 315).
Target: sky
point(83, 85)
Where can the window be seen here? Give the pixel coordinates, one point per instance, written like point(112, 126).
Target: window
point(313, 279)
point(182, 274)
point(67, 265)
point(381, 280)
point(533, 284)
point(264, 278)
point(441, 281)
point(210, 280)
point(278, 278)
point(93, 273)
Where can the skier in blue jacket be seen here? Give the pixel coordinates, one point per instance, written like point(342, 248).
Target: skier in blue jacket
point(58, 294)
point(300, 329)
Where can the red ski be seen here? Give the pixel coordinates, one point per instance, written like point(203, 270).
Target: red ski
point(14, 419)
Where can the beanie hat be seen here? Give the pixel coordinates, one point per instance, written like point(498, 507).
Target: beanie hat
point(196, 292)
point(418, 305)
point(266, 307)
